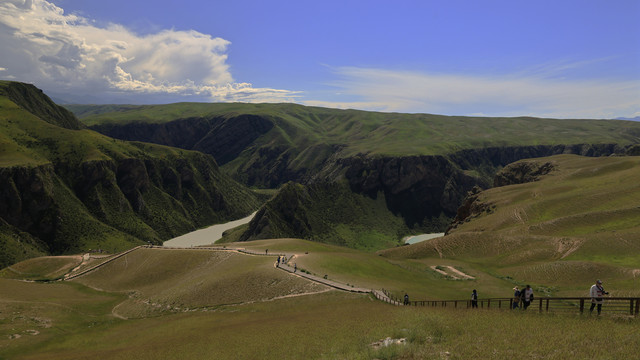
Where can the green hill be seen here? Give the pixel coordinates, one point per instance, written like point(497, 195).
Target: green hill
point(66, 189)
point(578, 222)
point(415, 167)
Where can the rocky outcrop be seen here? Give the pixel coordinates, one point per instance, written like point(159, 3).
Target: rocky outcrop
point(522, 172)
point(471, 207)
point(148, 199)
point(26, 200)
point(417, 188)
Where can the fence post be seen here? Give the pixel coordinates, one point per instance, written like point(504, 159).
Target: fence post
point(581, 306)
point(547, 305)
point(540, 305)
point(631, 307)
point(488, 303)
point(637, 306)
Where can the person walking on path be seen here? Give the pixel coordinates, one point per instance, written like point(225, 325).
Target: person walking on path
point(295, 267)
point(278, 262)
point(597, 294)
point(527, 297)
point(474, 299)
point(516, 298)
point(266, 251)
point(406, 299)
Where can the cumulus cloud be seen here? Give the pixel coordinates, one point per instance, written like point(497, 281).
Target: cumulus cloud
point(66, 53)
point(503, 95)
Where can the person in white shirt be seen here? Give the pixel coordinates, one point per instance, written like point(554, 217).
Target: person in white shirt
point(597, 294)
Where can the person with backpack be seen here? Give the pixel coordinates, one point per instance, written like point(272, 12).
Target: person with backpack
point(474, 299)
point(597, 294)
point(527, 297)
point(516, 298)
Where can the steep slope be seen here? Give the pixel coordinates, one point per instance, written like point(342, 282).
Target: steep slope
point(422, 164)
point(576, 221)
point(64, 189)
point(288, 142)
point(329, 213)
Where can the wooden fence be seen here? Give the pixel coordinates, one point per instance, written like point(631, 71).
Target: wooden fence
point(621, 305)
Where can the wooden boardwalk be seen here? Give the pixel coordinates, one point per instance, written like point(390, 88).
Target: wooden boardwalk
point(284, 266)
point(612, 305)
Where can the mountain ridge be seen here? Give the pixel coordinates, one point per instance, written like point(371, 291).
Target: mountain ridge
point(64, 188)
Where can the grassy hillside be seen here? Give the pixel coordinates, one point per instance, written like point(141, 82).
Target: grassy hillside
point(65, 189)
point(198, 304)
point(578, 223)
point(395, 134)
point(269, 144)
point(417, 166)
point(173, 281)
point(328, 214)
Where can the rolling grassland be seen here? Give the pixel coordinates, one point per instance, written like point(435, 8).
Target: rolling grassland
point(68, 321)
point(576, 224)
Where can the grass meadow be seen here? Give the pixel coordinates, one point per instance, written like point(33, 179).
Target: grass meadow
point(561, 233)
point(330, 325)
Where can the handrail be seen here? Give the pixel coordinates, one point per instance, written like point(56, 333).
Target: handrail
point(630, 305)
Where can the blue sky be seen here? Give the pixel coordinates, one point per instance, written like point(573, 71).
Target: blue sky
point(567, 59)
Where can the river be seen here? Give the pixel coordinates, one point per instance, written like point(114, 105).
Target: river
point(418, 238)
point(206, 236)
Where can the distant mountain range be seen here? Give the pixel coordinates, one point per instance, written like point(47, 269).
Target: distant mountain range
point(637, 118)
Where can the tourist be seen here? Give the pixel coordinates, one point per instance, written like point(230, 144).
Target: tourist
point(278, 262)
point(406, 299)
point(527, 297)
point(597, 294)
point(516, 297)
point(474, 299)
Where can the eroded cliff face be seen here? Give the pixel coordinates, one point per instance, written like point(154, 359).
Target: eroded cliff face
point(26, 200)
point(224, 137)
point(418, 188)
point(69, 207)
point(426, 192)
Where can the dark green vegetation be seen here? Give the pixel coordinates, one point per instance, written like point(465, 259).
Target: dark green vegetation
point(65, 189)
point(386, 167)
point(330, 214)
point(578, 222)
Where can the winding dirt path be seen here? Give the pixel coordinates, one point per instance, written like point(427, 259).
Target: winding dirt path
point(284, 266)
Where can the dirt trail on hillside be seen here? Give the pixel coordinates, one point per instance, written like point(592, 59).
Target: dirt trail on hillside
point(452, 272)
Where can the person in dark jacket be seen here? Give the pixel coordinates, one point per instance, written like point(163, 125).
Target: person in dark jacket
point(527, 297)
point(474, 299)
point(516, 297)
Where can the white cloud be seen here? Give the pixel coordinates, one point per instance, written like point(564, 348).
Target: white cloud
point(67, 54)
point(506, 95)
